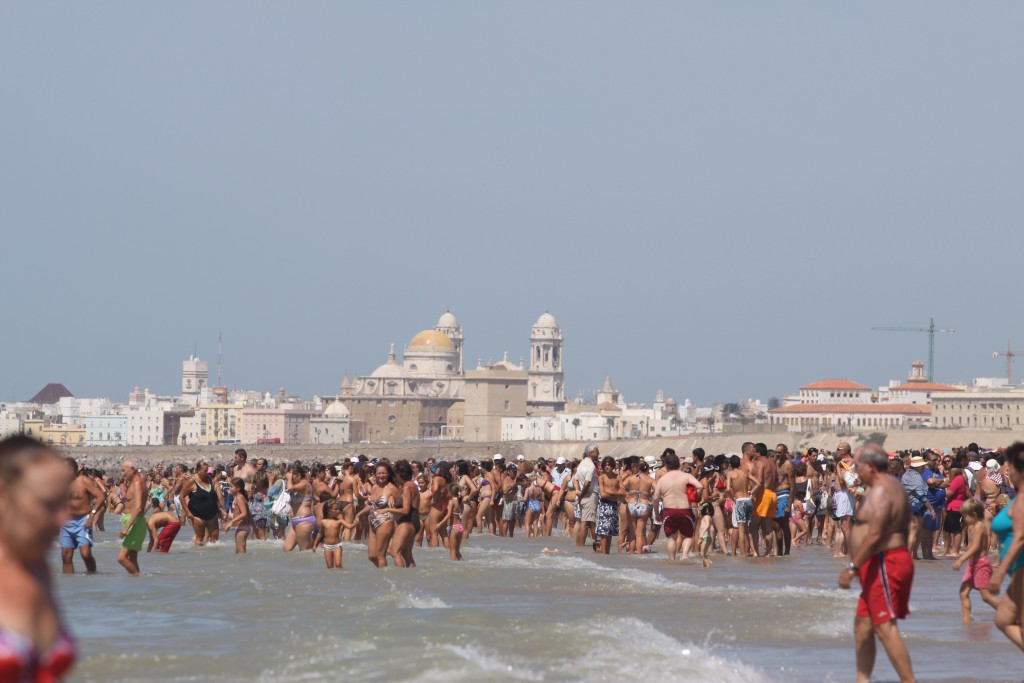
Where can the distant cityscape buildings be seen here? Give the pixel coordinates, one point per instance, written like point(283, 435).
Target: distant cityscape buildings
point(431, 395)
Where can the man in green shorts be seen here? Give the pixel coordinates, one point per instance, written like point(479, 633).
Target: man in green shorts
point(133, 521)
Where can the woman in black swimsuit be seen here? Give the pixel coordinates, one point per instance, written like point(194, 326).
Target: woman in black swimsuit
point(407, 516)
point(202, 500)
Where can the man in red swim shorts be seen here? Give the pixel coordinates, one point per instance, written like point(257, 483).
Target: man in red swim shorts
point(882, 564)
point(677, 515)
point(163, 527)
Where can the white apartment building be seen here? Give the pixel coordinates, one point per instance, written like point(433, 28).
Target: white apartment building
point(557, 427)
point(146, 426)
point(106, 430)
point(10, 423)
point(73, 410)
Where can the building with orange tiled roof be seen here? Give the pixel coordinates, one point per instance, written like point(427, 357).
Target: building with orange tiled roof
point(915, 390)
point(831, 391)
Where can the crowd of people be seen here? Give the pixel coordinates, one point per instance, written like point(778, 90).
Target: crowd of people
point(880, 511)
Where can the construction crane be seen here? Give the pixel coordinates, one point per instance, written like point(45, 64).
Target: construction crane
point(931, 330)
point(1010, 354)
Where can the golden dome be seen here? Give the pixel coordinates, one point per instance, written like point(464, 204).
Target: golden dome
point(432, 339)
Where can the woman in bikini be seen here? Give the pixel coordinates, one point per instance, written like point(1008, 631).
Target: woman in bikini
point(438, 502)
point(639, 489)
point(469, 494)
point(485, 489)
point(407, 516)
point(34, 484)
point(382, 523)
point(455, 532)
point(535, 507)
point(201, 498)
point(240, 515)
point(303, 521)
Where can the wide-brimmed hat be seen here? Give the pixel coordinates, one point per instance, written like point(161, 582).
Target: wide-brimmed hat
point(917, 461)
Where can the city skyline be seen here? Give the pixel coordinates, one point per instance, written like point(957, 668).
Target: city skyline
point(171, 387)
point(716, 202)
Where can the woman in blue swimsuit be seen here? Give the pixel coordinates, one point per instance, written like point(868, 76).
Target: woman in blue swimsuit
point(1008, 526)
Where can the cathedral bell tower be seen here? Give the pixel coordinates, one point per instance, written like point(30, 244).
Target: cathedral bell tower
point(546, 385)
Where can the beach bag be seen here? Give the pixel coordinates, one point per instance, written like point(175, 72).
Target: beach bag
point(282, 507)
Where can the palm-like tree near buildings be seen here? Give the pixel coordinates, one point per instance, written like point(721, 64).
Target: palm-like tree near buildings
point(576, 428)
point(611, 426)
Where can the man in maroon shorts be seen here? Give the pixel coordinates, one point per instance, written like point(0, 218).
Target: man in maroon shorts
point(881, 562)
point(677, 516)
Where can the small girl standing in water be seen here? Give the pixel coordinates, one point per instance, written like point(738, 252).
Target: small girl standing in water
point(705, 533)
point(330, 533)
point(799, 523)
point(979, 567)
point(456, 531)
point(240, 515)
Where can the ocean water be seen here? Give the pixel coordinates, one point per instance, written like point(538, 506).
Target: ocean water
point(507, 613)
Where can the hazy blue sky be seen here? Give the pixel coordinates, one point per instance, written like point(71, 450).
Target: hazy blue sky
point(718, 199)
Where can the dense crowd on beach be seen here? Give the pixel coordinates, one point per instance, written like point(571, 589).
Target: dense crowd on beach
point(956, 503)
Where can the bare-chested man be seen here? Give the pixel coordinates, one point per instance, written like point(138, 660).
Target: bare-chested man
point(880, 560)
point(784, 503)
point(737, 485)
point(133, 519)
point(764, 478)
point(677, 514)
point(85, 499)
point(243, 469)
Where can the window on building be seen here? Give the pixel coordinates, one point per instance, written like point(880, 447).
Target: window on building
point(507, 405)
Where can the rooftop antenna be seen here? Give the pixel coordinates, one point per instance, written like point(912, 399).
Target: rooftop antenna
point(220, 351)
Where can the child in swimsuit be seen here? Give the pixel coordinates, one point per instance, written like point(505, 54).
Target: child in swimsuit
point(798, 521)
point(705, 533)
point(979, 567)
point(329, 535)
point(453, 513)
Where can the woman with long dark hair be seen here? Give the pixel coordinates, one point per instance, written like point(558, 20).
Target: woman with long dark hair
point(407, 516)
point(303, 521)
point(1008, 527)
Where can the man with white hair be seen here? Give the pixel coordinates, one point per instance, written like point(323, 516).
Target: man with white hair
point(133, 520)
point(559, 474)
point(587, 493)
point(880, 560)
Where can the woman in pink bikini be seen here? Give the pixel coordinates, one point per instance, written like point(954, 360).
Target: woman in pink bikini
point(34, 482)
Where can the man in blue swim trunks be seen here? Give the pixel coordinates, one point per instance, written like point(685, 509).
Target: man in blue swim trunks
point(85, 499)
point(784, 506)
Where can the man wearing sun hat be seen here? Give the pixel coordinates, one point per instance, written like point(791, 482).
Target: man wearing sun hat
point(917, 494)
point(587, 493)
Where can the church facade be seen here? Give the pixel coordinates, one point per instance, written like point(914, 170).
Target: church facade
point(423, 396)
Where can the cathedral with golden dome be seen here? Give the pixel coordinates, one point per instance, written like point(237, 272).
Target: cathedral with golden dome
point(424, 395)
